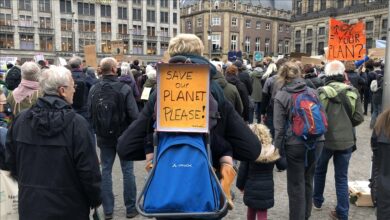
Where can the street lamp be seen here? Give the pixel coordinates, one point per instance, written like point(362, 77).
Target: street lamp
point(209, 31)
point(73, 35)
point(131, 40)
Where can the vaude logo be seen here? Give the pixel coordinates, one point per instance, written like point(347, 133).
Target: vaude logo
point(181, 165)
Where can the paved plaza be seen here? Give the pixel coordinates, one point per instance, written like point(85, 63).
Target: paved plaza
point(359, 169)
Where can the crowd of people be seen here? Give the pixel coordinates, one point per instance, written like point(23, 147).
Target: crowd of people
point(52, 118)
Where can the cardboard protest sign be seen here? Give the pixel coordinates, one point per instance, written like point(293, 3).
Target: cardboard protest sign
point(39, 57)
point(377, 53)
point(117, 49)
point(90, 55)
point(310, 60)
point(297, 55)
point(183, 97)
point(346, 41)
point(258, 56)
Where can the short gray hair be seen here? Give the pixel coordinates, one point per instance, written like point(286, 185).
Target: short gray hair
point(106, 65)
point(30, 71)
point(53, 78)
point(75, 62)
point(125, 69)
point(334, 68)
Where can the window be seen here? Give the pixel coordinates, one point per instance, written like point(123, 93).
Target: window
point(340, 3)
point(86, 9)
point(137, 30)
point(321, 31)
point(247, 44)
point(27, 41)
point(106, 27)
point(66, 24)
point(151, 2)
point(266, 50)
point(321, 50)
point(136, 2)
point(268, 26)
point(309, 32)
point(280, 47)
point(44, 5)
point(216, 21)
point(298, 34)
point(310, 6)
point(287, 28)
point(164, 3)
point(106, 46)
point(25, 21)
point(164, 17)
point(66, 6)
point(84, 42)
point(137, 14)
point(354, 2)
point(248, 23)
point(216, 42)
point(297, 48)
point(299, 7)
point(164, 47)
point(122, 28)
point(151, 16)
point(174, 18)
point(189, 24)
point(384, 24)
point(122, 13)
point(105, 10)
point(44, 22)
point(5, 4)
point(234, 21)
point(308, 48)
point(258, 24)
point(369, 43)
point(280, 27)
point(286, 47)
point(234, 5)
point(151, 48)
point(199, 22)
point(164, 32)
point(7, 41)
point(175, 4)
point(151, 31)
point(233, 42)
point(46, 43)
point(369, 25)
point(322, 5)
point(66, 44)
point(257, 45)
point(5, 20)
point(138, 47)
point(216, 4)
point(174, 31)
point(86, 26)
point(25, 5)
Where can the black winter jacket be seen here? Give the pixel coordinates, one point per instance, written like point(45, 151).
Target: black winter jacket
point(50, 152)
point(243, 95)
point(246, 79)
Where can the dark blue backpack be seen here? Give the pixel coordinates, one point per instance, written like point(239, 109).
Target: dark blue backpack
point(182, 181)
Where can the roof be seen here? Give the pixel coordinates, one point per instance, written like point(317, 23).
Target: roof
point(277, 4)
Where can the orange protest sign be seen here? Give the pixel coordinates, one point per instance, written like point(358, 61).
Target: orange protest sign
point(182, 97)
point(346, 41)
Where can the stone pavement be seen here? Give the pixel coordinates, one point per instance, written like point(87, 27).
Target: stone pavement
point(359, 169)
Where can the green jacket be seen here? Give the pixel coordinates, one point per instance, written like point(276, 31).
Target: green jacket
point(340, 134)
point(230, 92)
point(25, 103)
point(257, 93)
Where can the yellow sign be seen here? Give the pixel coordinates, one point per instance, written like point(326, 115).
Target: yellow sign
point(183, 97)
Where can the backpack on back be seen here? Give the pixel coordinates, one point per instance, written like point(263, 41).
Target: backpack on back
point(81, 91)
point(13, 78)
point(376, 84)
point(108, 111)
point(308, 117)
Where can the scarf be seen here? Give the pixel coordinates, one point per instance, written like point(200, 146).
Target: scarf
point(25, 89)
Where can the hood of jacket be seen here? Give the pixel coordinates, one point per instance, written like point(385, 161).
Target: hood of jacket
point(50, 115)
point(233, 79)
point(125, 78)
point(220, 79)
point(258, 72)
point(332, 88)
point(296, 85)
point(150, 83)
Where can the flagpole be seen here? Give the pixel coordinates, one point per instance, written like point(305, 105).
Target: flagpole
point(386, 82)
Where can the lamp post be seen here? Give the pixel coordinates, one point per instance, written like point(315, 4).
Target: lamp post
point(209, 31)
point(130, 41)
point(73, 35)
point(386, 80)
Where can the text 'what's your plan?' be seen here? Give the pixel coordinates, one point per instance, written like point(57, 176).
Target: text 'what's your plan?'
point(182, 97)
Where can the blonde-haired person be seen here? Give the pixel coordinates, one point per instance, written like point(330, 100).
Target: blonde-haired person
point(28, 91)
point(380, 144)
point(299, 173)
point(230, 136)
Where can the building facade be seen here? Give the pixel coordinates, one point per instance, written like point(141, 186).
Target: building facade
point(310, 21)
point(226, 26)
point(61, 28)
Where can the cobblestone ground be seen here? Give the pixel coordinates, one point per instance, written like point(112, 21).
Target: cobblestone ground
point(359, 169)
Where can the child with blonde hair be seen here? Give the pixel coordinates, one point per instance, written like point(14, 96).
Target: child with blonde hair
point(255, 179)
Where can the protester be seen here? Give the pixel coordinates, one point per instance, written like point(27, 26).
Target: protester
point(229, 90)
point(380, 144)
point(255, 179)
point(13, 76)
point(376, 88)
point(354, 78)
point(257, 94)
point(112, 107)
point(232, 77)
point(229, 137)
point(342, 104)
point(28, 91)
point(311, 78)
point(128, 78)
point(151, 81)
point(300, 159)
point(135, 65)
point(43, 64)
point(50, 152)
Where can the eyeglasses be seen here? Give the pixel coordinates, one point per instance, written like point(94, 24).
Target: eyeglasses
point(74, 86)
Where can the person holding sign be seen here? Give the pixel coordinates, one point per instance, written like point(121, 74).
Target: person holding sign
point(230, 136)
